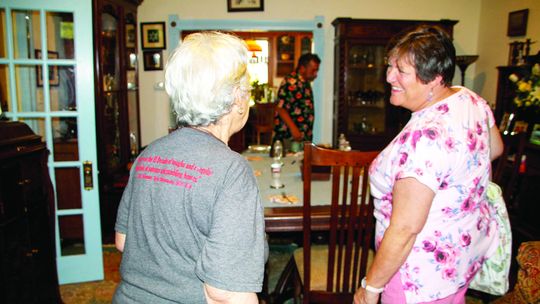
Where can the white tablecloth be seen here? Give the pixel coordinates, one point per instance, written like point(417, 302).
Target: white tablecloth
point(292, 179)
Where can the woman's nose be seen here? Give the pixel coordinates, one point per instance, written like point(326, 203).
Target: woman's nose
point(390, 75)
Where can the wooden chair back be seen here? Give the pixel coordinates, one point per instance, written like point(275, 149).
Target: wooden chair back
point(351, 222)
point(506, 170)
point(264, 121)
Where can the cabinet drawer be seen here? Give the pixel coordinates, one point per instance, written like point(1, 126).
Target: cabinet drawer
point(11, 196)
point(17, 264)
point(21, 186)
point(31, 182)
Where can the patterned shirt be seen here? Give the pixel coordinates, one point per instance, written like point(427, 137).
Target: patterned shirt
point(445, 147)
point(295, 96)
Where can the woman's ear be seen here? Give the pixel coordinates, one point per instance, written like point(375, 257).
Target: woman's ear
point(239, 101)
point(438, 80)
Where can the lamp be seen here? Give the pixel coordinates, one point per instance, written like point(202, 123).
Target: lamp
point(463, 62)
point(253, 46)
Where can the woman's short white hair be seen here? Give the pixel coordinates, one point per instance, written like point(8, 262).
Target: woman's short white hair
point(204, 75)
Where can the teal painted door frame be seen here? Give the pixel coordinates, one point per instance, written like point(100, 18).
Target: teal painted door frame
point(315, 25)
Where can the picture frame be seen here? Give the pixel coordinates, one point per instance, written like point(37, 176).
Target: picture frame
point(153, 60)
point(153, 35)
point(505, 121)
point(520, 126)
point(517, 23)
point(131, 36)
point(535, 135)
point(54, 78)
point(245, 5)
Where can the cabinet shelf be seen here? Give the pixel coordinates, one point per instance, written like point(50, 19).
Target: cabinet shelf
point(364, 67)
point(367, 106)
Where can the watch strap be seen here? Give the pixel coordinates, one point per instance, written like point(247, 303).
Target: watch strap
point(370, 288)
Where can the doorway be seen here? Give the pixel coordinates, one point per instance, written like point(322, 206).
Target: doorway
point(177, 27)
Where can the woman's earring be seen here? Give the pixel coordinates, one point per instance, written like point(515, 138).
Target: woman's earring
point(240, 111)
point(430, 95)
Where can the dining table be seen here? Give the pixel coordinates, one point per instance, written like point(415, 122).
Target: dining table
point(283, 206)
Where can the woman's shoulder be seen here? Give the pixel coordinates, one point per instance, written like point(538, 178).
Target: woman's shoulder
point(466, 94)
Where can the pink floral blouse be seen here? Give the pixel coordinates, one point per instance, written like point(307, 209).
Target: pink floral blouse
point(445, 147)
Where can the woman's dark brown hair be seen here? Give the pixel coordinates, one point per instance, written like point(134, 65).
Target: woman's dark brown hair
point(429, 49)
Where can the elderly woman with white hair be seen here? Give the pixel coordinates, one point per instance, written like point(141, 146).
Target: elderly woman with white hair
point(191, 223)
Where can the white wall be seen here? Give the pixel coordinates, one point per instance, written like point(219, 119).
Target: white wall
point(154, 104)
point(493, 44)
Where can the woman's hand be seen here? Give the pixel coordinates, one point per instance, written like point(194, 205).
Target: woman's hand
point(363, 296)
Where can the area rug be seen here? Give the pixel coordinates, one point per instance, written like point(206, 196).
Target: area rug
point(98, 292)
point(101, 292)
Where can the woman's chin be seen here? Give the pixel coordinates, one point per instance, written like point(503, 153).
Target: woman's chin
point(395, 101)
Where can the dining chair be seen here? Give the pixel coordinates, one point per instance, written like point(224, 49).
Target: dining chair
point(331, 272)
point(264, 121)
point(507, 166)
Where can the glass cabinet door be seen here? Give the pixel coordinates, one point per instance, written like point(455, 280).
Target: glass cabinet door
point(111, 81)
point(365, 89)
point(132, 86)
point(285, 54)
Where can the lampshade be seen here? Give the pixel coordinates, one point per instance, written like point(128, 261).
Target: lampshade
point(463, 61)
point(253, 46)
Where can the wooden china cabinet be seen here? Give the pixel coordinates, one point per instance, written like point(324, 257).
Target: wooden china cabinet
point(361, 94)
point(288, 48)
point(506, 90)
point(525, 208)
point(117, 100)
point(27, 251)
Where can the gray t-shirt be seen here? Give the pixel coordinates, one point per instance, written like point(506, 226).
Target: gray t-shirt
point(192, 214)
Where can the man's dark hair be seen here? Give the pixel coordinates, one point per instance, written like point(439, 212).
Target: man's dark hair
point(305, 59)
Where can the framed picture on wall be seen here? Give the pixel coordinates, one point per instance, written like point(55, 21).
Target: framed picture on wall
point(153, 60)
point(245, 5)
point(54, 79)
point(153, 35)
point(517, 23)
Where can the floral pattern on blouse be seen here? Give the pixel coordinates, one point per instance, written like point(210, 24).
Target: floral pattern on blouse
point(296, 96)
point(446, 148)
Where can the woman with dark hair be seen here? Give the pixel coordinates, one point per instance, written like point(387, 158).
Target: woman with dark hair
point(434, 224)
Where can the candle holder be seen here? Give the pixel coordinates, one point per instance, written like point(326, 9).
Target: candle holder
point(463, 62)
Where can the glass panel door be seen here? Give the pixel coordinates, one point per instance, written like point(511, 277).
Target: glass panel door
point(46, 83)
point(366, 73)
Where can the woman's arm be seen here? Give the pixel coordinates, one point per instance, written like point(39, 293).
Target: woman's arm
point(219, 296)
point(410, 208)
point(119, 240)
point(496, 143)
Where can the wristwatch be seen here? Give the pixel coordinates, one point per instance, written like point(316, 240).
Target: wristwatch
point(370, 288)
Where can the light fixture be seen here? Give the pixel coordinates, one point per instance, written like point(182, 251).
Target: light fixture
point(253, 46)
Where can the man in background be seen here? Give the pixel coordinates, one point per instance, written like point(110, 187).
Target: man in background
point(295, 112)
